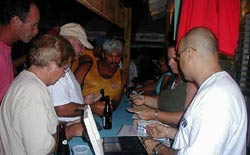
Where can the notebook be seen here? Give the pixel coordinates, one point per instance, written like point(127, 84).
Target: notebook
point(111, 145)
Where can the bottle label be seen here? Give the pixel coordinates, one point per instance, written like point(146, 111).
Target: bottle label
point(107, 122)
point(103, 120)
point(65, 142)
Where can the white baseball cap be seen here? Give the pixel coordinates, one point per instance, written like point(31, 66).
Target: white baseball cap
point(75, 30)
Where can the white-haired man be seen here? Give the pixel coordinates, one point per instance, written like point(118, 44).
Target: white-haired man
point(66, 92)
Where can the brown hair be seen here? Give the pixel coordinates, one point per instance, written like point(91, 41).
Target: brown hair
point(51, 48)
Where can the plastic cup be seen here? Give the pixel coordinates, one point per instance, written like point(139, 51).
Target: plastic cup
point(80, 150)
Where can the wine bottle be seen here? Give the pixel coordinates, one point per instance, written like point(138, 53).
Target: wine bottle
point(107, 114)
point(63, 146)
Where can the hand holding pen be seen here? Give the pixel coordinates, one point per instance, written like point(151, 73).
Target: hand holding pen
point(137, 98)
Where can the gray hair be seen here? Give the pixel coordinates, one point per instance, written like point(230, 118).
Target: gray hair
point(51, 48)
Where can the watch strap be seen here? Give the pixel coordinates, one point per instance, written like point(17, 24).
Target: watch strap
point(155, 150)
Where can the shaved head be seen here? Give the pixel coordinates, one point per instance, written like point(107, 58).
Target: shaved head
point(201, 39)
point(198, 54)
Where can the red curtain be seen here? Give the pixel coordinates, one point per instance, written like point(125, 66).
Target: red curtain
point(220, 16)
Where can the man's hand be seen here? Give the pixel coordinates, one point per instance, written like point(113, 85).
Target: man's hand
point(97, 108)
point(150, 144)
point(157, 130)
point(91, 98)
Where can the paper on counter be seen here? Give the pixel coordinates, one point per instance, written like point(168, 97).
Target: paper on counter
point(127, 130)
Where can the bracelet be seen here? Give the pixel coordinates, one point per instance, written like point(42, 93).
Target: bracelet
point(155, 150)
point(156, 114)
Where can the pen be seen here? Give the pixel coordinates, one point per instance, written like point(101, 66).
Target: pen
point(137, 112)
point(136, 96)
point(97, 98)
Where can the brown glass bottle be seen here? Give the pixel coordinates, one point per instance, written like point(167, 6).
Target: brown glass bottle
point(63, 146)
point(107, 114)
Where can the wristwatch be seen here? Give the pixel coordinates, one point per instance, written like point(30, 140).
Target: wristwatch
point(155, 150)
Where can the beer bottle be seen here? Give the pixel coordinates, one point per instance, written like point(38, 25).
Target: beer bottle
point(102, 93)
point(107, 114)
point(62, 146)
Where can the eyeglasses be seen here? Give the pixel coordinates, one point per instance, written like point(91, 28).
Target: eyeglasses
point(179, 54)
point(33, 25)
point(66, 69)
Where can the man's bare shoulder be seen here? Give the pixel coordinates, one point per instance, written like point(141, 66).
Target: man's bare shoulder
point(85, 59)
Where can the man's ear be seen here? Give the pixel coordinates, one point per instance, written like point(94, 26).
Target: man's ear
point(15, 22)
point(48, 68)
point(190, 55)
point(193, 57)
point(50, 65)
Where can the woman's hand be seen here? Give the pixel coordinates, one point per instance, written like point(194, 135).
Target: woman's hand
point(137, 99)
point(147, 114)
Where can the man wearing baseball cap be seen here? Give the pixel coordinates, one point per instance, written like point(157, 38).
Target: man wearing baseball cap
point(104, 74)
point(66, 92)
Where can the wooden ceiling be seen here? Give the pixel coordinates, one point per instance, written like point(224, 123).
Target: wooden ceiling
point(111, 10)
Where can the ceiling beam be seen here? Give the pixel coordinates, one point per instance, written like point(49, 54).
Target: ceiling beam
point(111, 10)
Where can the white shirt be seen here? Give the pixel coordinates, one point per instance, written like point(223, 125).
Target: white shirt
point(27, 118)
point(215, 123)
point(64, 91)
point(132, 72)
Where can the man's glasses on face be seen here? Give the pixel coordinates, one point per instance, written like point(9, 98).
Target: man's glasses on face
point(184, 50)
point(33, 25)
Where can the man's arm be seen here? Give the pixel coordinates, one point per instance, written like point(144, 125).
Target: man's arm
point(56, 142)
point(38, 135)
point(75, 129)
point(85, 64)
point(164, 150)
point(68, 110)
point(116, 99)
point(61, 99)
